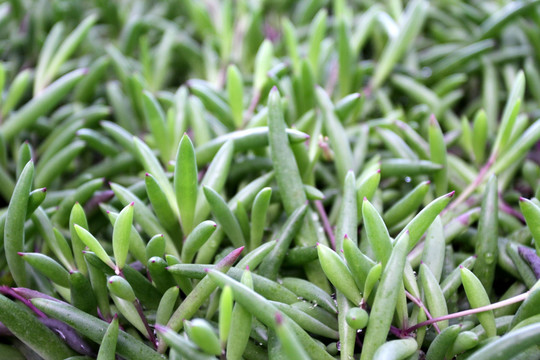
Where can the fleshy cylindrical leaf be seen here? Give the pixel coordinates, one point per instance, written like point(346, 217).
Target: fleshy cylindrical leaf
point(204, 335)
point(121, 288)
point(94, 245)
point(338, 274)
point(121, 235)
point(107, 349)
point(14, 228)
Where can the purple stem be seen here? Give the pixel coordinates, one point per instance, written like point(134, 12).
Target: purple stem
point(421, 305)
point(68, 335)
point(472, 186)
point(139, 309)
point(30, 294)
point(9, 291)
point(493, 306)
point(151, 336)
point(397, 332)
point(98, 198)
point(64, 331)
point(100, 315)
point(326, 223)
point(503, 206)
point(419, 248)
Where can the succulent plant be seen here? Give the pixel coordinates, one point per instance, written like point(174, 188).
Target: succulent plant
point(269, 180)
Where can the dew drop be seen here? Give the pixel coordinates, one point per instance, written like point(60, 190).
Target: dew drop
point(489, 258)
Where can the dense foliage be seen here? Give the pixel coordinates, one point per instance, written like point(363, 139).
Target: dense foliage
point(269, 179)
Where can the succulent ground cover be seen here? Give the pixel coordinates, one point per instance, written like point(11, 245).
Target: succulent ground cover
point(269, 179)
